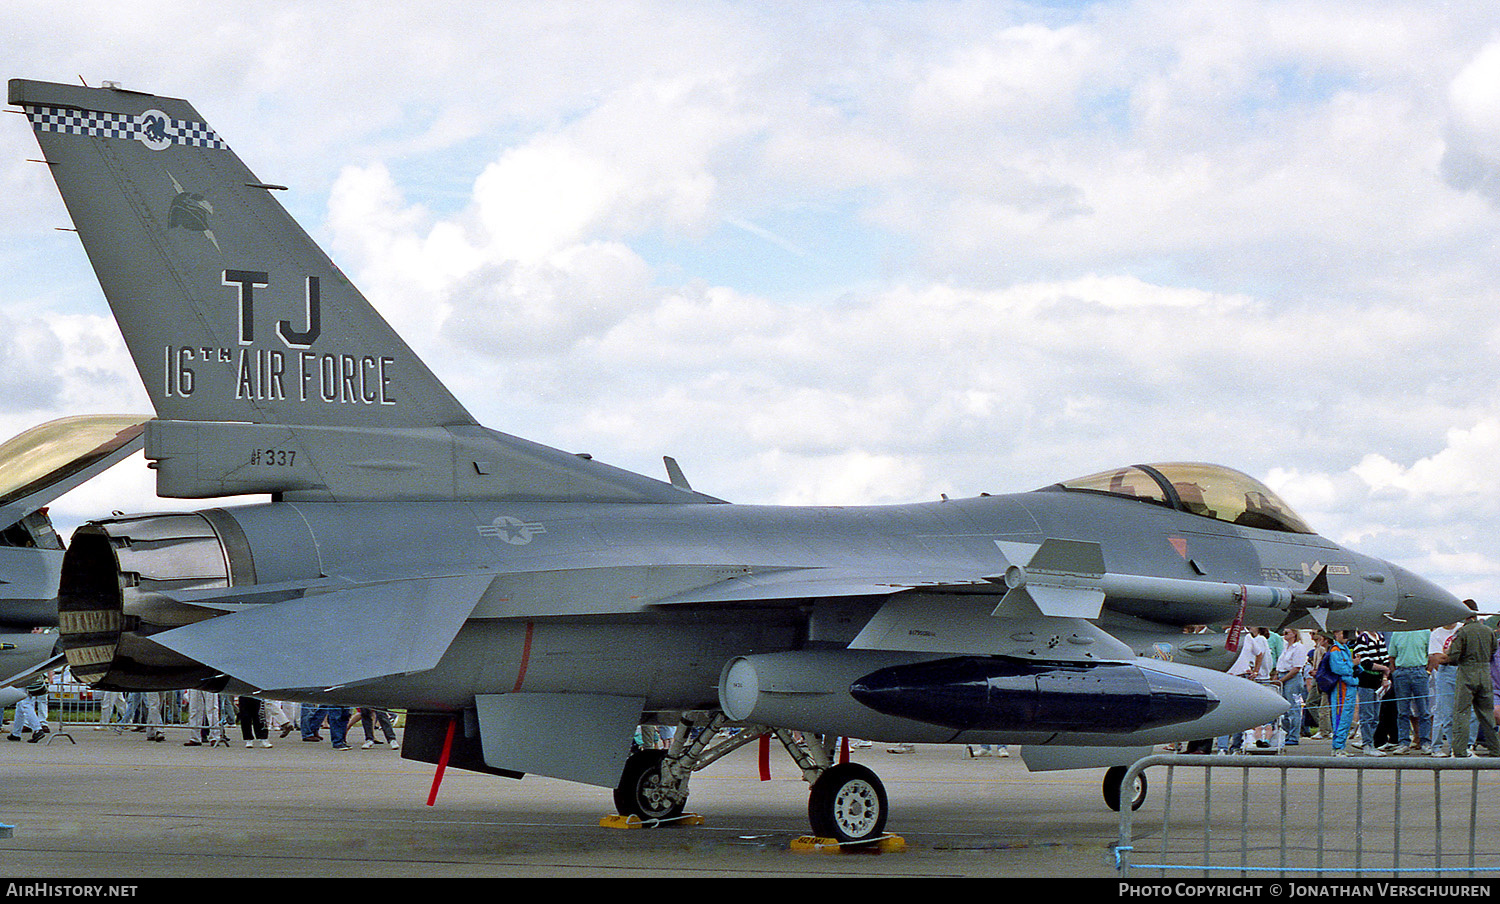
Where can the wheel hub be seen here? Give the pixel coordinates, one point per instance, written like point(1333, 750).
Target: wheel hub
point(857, 808)
point(653, 794)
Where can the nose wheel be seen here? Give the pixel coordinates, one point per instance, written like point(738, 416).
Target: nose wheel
point(1114, 794)
point(847, 803)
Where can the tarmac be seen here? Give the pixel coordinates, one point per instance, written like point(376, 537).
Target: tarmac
point(104, 804)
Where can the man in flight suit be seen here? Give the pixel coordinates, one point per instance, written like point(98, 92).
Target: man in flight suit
point(1472, 648)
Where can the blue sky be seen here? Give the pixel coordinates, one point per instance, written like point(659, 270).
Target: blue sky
point(853, 253)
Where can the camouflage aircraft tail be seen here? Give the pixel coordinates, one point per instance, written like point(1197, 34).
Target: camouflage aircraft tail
point(269, 371)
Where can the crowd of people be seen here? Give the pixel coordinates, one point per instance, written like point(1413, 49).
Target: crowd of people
point(210, 718)
point(1404, 692)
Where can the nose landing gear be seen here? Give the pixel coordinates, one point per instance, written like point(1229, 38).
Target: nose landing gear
point(847, 803)
point(1114, 794)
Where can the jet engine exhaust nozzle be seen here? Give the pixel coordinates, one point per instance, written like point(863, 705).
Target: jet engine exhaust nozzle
point(115, 592)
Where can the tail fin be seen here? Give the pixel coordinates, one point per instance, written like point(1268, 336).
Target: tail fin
point(269, 371)
point(229, 309)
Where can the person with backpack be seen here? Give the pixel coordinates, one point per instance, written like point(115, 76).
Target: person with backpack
point(1335, 677)
point(1316, 701)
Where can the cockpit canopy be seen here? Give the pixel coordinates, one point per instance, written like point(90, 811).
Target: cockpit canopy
point(1211, 491)
point(47, 461)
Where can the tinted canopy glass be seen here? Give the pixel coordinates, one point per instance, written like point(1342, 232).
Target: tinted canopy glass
point(1212, 491)
point(48, 455)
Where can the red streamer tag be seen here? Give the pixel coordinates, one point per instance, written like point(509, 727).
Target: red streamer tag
point(1237, 627)
point(437, 778)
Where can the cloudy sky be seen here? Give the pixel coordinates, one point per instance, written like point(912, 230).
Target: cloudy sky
point(862, 253)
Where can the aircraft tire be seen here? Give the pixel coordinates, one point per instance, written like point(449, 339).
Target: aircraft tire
point(1112, 791)
point(848, 804)
point(639, 794)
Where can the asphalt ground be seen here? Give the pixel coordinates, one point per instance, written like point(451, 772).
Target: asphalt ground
point(112, 806)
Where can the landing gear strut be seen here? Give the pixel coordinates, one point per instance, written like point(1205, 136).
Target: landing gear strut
point(847, 802)
point(654, 783)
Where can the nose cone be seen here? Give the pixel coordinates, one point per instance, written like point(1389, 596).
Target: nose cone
point(1422, 604)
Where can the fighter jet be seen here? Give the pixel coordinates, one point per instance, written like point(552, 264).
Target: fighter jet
point(529, 608)
point(36, 467)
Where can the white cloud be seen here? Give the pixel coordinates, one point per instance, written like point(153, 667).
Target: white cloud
point(1468, 466)
point(1121, 232)
point(1472, 161)
point(835, 479)
point(1027, 75)
point(542, 197)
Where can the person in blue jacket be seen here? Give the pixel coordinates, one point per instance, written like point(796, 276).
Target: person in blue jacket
point(1341, 699)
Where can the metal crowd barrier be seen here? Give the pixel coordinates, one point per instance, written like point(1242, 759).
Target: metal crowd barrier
point(1320, 816)
point(70, 704)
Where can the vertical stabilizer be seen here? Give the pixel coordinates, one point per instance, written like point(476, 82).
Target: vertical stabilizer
point(229, 309)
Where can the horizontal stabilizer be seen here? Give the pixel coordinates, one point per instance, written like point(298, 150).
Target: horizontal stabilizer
point(334, 638)
point(249, 596)
point(28, 585)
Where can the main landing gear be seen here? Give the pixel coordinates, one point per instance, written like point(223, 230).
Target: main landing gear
point(646, 791)
point(846, 802)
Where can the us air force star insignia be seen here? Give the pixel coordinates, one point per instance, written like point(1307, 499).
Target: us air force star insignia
point(511, 530)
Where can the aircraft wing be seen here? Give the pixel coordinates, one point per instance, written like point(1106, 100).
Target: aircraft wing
point(941, 610)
